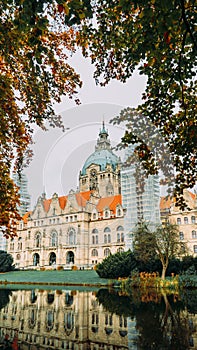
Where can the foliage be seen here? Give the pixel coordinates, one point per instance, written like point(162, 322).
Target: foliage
point(187, 262)
point(163, 243)
point(159, 318)
point(121, 306)
point(159, 39)
point(117, 265)
point(187, 281)
point(35, 45)
point(156, 37)
point(6, 262)
point(4, 297)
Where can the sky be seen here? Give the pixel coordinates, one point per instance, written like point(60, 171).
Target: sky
point(59, 156)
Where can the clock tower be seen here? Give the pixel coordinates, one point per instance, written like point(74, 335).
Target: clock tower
point(101, 171)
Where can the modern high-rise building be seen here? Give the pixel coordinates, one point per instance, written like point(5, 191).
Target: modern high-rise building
point(3, 241)
point(22, 182)
point(139, 204)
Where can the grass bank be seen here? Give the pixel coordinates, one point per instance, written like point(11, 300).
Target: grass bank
point(55, 278)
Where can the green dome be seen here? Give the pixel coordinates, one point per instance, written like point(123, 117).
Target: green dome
point(101, 157)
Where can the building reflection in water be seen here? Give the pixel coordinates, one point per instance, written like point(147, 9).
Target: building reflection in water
point(40, 319)
point(70, 319)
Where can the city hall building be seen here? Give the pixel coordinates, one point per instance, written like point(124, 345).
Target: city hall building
point(79, 229)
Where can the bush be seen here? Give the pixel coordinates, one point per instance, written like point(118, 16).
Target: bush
point(6, 262)
point(187, 262)
point(174, 267)
point(60, 268)
point(117, 265)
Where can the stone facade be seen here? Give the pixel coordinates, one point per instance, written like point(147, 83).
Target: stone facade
point(186, 220)
point(79, 229)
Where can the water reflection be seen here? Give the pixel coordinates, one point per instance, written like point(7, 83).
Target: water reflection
point(69, 319)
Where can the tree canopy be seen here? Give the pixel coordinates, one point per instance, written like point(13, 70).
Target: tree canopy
point(163, 242)
point(159, 39)
point(35, 45)
point(6, 261)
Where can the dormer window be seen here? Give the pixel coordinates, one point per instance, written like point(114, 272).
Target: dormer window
point(107, 214)
point(118, 211)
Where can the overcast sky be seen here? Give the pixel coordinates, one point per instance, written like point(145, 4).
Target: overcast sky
point(58, 157)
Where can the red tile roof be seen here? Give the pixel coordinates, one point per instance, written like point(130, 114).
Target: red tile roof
point(82, 198)
point(26, 216)
point(62, 201)
point(166, 202)
point(110, 202)
point(47, 203)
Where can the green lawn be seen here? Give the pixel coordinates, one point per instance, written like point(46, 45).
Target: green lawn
point(84, 277)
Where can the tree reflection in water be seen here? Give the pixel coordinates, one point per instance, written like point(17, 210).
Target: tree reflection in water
point(4, 297)
point(162, 320)
point(104, 319)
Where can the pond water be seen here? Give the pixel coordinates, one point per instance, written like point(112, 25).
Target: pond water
point(97, 319)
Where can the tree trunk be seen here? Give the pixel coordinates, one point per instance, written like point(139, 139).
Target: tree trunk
point(164, 268)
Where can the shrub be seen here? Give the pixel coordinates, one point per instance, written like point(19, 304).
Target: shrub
point(6, 262)
point(187, 262)
point(117, 265)
point(60, 268)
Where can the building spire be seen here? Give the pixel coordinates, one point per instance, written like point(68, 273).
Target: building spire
point(103, 142)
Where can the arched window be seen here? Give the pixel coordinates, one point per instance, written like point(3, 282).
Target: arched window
point(94, 252)
point(36, 259)
point(68, 299)
point(38, 240)
point(109, 238)
point(69, 321)
point(71, 236)
point(181, 235)
point(70, 258)
point(194, 234)
point(120, 234)
point(20, 243)
point(118, 212)
point(12, 244)
point(94, 216)
point(120, 250)
point(178, 220)
point(33, 296)
point(105, 239)
point(54, 239)
point(94, 230)
point(107, 229)
point(107, 252)
point(93, 239)
point(193, 219)
point(185, 220)
point(107, 214)
point(52, 259)
point(49, 320)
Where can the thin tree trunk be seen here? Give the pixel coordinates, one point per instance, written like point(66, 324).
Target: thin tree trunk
point(164, 268)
